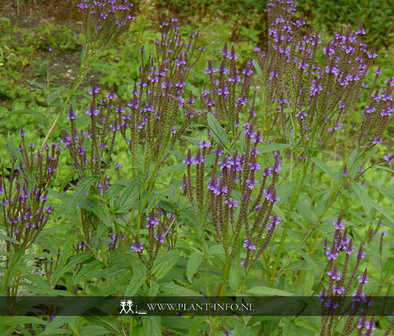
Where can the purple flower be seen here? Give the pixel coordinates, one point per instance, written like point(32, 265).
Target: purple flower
point(249, 245)
point(205, 144)
point(362, 279)
point(338, 290)
point(338, 225)
point(360, 255)
point(270, 196)
point(94, 90)
point(388, 158)
point(152, 221)
point(138, 247)
point(231, 203)
point(159, 237)
point(334, 276)
point(71, 116)
point(377, 140)
point(251, 183)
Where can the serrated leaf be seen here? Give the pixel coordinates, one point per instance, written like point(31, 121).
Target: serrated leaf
point(173, 289)
point(134, 285)
point(272, 147)
point(306, 212)
point(68, 265)
point(79, 193)
point(100, 209)
point(192, 265)
point(326, 169)
point(164, 264)
point(129, 196)
point(362, 196)
point(154, 288)
point(109, 323)
point(218, 131)
point(12, 240)
point(235, 274)
point(152, 325)
point(215, 249)
point(383, 212)
point(88, 271)
point(267, 291)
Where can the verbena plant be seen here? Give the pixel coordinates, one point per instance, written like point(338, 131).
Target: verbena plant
point(230, 188)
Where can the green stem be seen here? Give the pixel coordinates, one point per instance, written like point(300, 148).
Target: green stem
point(10, 271)
point(294, 197)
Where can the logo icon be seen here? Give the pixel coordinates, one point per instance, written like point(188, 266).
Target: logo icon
point(128, 308)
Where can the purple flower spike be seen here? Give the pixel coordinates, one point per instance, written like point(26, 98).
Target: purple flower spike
point(138, 247)
point(152, 221)
point(249, 245)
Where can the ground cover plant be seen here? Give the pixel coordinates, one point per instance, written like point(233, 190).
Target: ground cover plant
point(176, 160)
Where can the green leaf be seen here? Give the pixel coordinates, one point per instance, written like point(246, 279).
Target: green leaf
point(383, 212)
point(152, 325)
point(70, 263)
point(235, 275)
point(18, 320)
point(218, 131)
point(79, 193)
point(12, 240)
point(13, 149)
point(173, 289)
point(306, 212)
point(272, 147)
point(88, 271)
point(54, 94)
point(164, 264)
point(109, 323)
point(101, 210)
point(267, 291)
point(215, 249)
point(154, 288)
point(326, 169)
point(134, 285)
point(129, 196)
point(362, 196)
point(192, 265)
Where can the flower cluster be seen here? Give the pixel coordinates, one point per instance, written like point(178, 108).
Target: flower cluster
point(305, 97)
point(104, 20)
point(239, 195)
point(91, 149)
point(154, 119)
point(160, 226)
point(24, 193)
point(228, 91)
point(341, 280)
point(376, 115)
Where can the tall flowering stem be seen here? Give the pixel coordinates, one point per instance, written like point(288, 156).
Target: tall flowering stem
point(23, 198)
point(103, 22)
point(303, 97)
point(160, 230)
point(159, 110)
point(340, 279)
point(228, 91)
point(240, 196)
point(91, 149)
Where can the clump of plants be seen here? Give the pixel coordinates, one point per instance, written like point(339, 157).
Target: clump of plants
point(232, 191)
